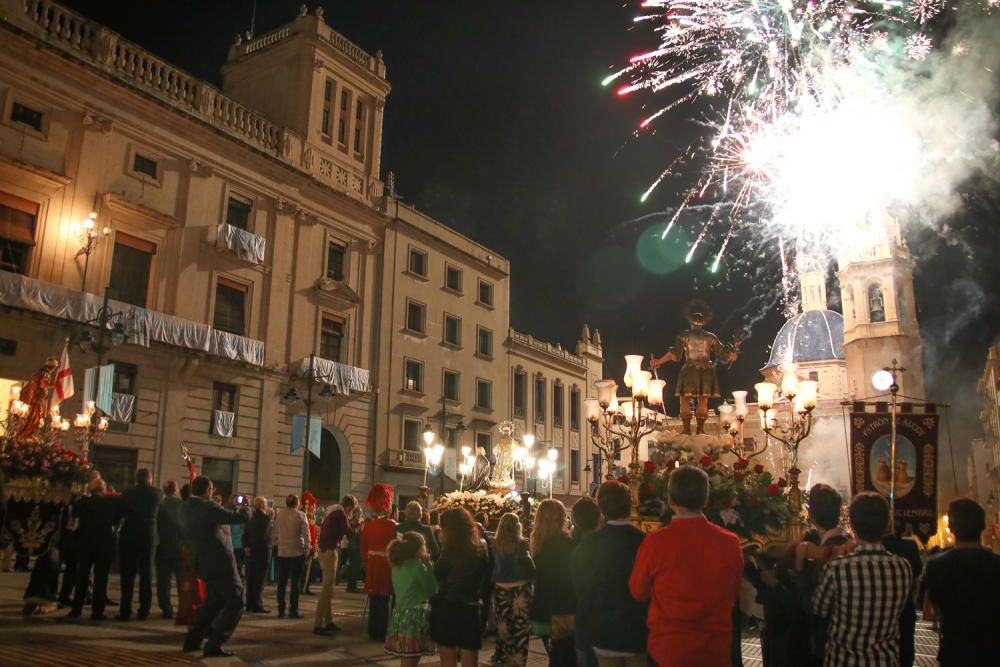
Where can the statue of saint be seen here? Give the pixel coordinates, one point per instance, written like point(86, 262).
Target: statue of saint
point(479, 476)
point(502, 478)
point(701, 351)
point(36, 394)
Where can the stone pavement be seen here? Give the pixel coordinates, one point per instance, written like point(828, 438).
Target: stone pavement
point(260, 640)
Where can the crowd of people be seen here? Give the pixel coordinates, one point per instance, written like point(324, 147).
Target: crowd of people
point(594, 588)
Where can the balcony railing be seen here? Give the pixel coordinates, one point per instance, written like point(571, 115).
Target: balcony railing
point(403, 458)
point(248, 246)
point(142, 326)
point(66, 31)
point(544, 346)
point(342, 378)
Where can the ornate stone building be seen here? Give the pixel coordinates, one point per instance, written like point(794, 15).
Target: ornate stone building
point(242, 240)
point(985, 456)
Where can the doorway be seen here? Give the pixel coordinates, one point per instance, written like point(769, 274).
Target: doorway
point(330, 474)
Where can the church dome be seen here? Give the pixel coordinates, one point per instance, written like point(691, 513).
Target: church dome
point(815, 335)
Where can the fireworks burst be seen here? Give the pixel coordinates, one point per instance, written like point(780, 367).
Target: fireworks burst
point(923, 11)
point(918, 46)
point(808, 139)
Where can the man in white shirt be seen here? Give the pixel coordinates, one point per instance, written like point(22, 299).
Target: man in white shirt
point(291, 530)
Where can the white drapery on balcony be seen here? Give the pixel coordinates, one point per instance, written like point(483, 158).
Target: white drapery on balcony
point(122, 406)
point(343, 378)
point(142, 326)
point(248, 246)
point(223, 423)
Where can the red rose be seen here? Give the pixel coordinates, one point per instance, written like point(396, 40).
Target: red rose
point(727, 501)
point(738, 476)
point(758, 468)
point(782, 482)
point(649, 466)
point(623, 479)
point(772, 490)
point(741, 464)
point(705, 460)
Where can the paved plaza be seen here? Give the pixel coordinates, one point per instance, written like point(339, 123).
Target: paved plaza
point(262, 640)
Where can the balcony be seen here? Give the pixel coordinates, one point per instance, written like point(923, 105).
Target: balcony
point(142, 326)
point(404, 459)
point(246, 245)
point(342, 378)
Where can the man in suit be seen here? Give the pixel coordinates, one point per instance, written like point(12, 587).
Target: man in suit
point(138, 506)
point(257, 548)
point(95, 543)
point(168, 548)
point(690, 574)
point(202, 524)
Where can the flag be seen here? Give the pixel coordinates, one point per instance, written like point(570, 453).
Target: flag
point(64, 377)
point(299, 432)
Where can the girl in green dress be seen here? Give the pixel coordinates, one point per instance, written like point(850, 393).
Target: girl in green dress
point(413, 582)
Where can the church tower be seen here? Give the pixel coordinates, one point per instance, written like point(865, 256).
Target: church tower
point(880, 317)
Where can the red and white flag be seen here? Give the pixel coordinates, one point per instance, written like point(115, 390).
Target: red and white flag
point(64, 377)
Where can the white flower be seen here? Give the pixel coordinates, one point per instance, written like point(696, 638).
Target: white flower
point(729, 516)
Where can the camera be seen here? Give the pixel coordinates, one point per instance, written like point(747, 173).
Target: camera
point(240, 499)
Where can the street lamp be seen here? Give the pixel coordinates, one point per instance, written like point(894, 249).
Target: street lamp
point(89, 238)
point(292, 397)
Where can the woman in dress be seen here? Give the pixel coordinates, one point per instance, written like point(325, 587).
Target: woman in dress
point(191, 589)
point(409, 634)
point(554, 603)
point(375, 538)
point(513, 574)
point(463, 573)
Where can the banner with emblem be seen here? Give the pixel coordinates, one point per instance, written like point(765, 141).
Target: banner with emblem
point(915, 462)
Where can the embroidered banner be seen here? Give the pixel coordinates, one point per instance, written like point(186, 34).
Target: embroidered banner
point(916, 465)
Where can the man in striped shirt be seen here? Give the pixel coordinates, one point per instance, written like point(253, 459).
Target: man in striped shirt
point(862, 594)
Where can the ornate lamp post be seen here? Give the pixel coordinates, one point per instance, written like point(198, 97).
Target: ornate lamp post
point(801, 396)
point(432, 457)
point(616, 427)
point(292, 396)
point(88, 425)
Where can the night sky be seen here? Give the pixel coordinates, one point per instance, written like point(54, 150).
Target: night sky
point(498, 127)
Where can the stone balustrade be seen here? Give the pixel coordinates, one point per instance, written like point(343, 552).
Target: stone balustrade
point(546, 347)
point(94, 44)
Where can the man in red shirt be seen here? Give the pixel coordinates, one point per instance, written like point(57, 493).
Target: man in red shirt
point(689, 573)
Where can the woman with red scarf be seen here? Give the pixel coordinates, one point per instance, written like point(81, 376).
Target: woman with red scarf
point(375, 538)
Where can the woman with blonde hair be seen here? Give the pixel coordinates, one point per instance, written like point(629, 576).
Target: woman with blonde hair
point(513, 574)
point(554, 602)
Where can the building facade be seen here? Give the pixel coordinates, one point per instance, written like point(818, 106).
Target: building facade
point(242, 240)
point(986, 452)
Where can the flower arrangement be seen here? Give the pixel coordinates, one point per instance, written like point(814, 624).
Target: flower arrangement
point(493, 505)
point(35, 457)
point(743, 497)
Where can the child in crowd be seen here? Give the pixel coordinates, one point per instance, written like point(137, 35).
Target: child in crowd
point(413, 582)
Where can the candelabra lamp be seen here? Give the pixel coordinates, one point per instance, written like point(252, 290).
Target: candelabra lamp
point(433, 453)
point(617, 426)
point(88, 427)
point(732, 417)
point(790, 428)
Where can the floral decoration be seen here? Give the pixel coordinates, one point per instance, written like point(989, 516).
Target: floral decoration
point(493, 505)
point(744, 499)
point(36, 457)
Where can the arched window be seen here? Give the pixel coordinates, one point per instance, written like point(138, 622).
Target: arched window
point(876, 304)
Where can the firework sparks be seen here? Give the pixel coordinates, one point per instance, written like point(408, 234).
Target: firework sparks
point(809, 137)
point(924, 10)
point(918, 46)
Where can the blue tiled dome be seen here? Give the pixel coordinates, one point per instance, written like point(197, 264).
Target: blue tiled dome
point(815, 335)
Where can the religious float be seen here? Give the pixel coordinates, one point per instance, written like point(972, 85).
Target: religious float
point(40, 476)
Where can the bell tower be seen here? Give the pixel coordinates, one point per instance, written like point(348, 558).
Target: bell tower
point(880, 316)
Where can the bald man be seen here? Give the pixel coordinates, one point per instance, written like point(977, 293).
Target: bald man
point(257, 548)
